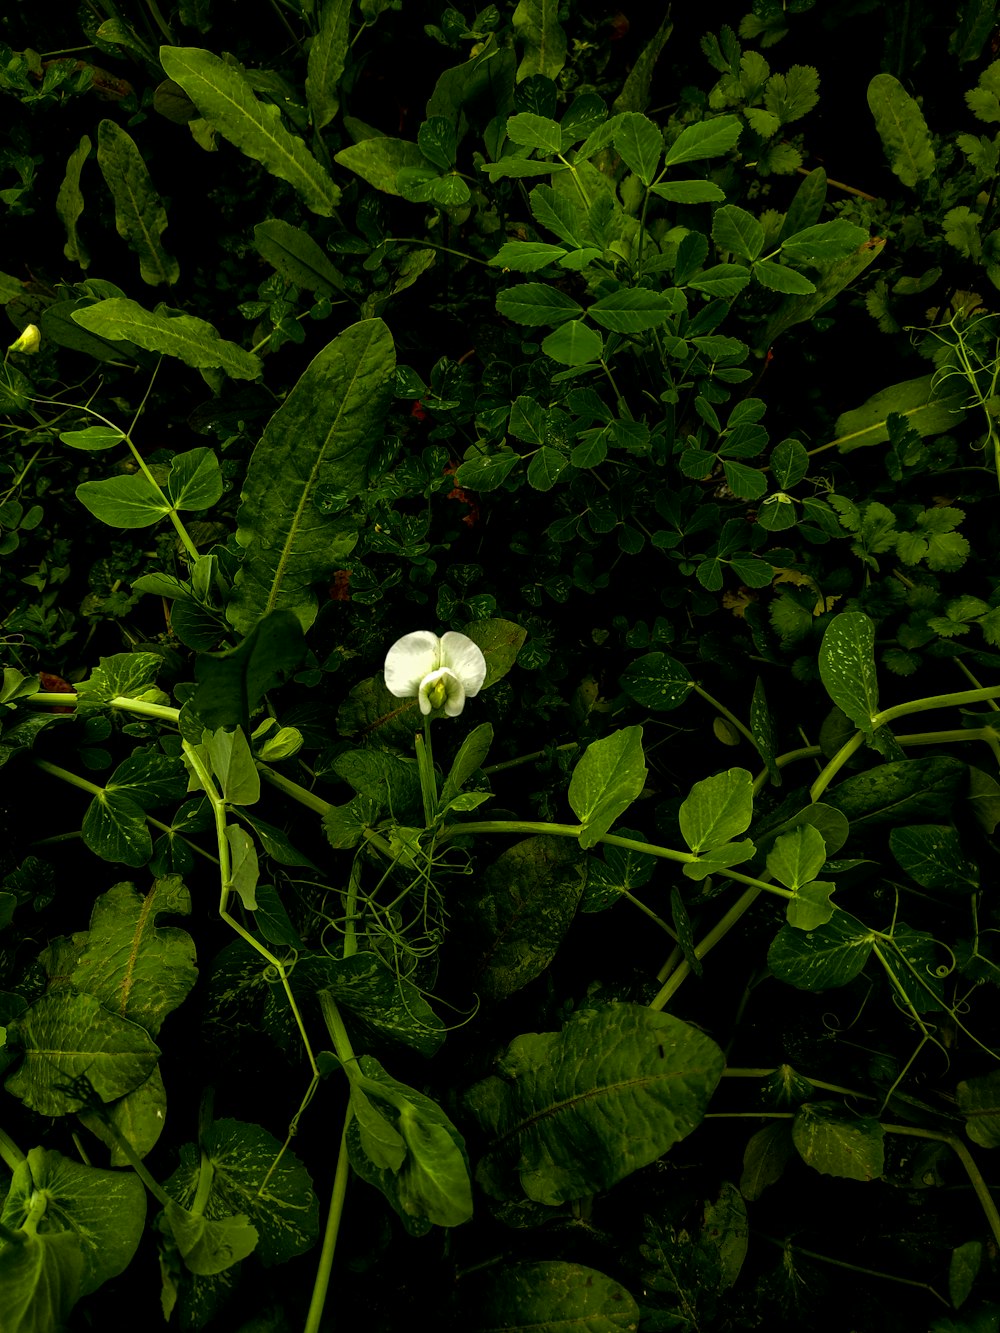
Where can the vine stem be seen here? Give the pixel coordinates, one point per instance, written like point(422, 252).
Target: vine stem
point(338, 1195)
point(10, 1154)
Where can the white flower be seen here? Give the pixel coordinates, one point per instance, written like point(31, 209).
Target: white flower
point(439, 673)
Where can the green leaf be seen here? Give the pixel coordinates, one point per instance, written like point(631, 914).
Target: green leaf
point(639, 143)
point(736, 230)
point(900, 792)
point(707, 138)
point(67, 1035)
point(232, 685)
point(631, 310)
point(243, 865)
point(546, 467)
point(136, 968)
point(559, 215)
point(657, 681)
point(608, 778)
point(40, 1281)
point(69, 204)
point(717, 809)
point(689, 192)
point(524, 905)
point(526, 256)
point(327, 52)
point(140, 217)
point(966, 1260)
point(823, 243)
point(500, 642)
point(979, 1102)
point(536, 303)
point(531, 131)
point(723, 281)
point(191, 340)
point(549, 1297)
point(123, 675)
point(573, 1112)
point(781, 278)
point(831, 955)
point(194, 480)
point(485, 472)
point(836, 1143)
point(130, 501)
point(847, 667)
point(717, 859)
point(114, 828)
point(932, 855)
point(383, 1003)
point(432, 1188)
point(139, 1116)
point(574, 344)
point(224, 96)
point(380, 160)
point(902, 129)
point(811, 906)
point(789, 463)
point(540, 36)
point(833, 278)
point(319, 439)
point(297, 257)
point(470, 757)
point(252, 1176)
point(233, 766)
point(208, 1245)
point(93, 438)
point(797, 857)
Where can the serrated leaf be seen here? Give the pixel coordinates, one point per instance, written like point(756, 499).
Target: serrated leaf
point(781, 278)
point(689, 192)
point(380, 160)
point(531, 131)
point(738, 231)
point(140, 217)
point(631, 310)
point(193, 341)
point(723, 281)
point(225, 97)
point(639, 142)
point(823, 243)
point(546, 467)
point(526, 256)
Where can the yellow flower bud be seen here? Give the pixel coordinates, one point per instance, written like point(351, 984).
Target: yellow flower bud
point(29, 341)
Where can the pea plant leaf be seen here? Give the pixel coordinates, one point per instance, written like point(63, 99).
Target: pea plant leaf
point(550, 1296)
point(847, 667)
point(836, 1144)
point(572, 1112)
point(40, 1280)
point(717, 809)
point(139, 213)
point(320, 437)
point(657, 681)
point(831, 955)
point(225, 97)
point(606, 781)
point(932, 854)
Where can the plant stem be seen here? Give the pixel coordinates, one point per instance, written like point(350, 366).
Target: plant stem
point(301, 794)
point(10, 1154)
point(968, 1162)
point(65, 775)
point(721, 708)
point(835, 765)
point(704, 945)
point(338, 1194)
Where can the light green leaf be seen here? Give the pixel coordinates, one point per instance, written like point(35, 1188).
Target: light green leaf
point(432, 1188)
point(244, 869)
point(541, 38)
point(233, 766)
point(379, 161)
point(103, 1211)
point(736, 230)
point(130, 501)
point(326, 61)
point(485, 472)
point(836, 1143)
point(252, 1176)
point(932, 854)
point(916, 401)
point(379, 1142)
point(209, 1246)
point(831, 955)
point(559, 215)
point(723, 280)
point(129, 675)
point(632, 310)
point(380, 1001)
point(549, 1297)
point(639, 143)
point(797, 857)
point(195, 480)
point(574, 344)
point(847, 667)
point(717, 809)
point(811, 906)
point(297, 257)
point(573, 1112)
point(608, 778)
point(721, 858)
point(707, 138)
point(225, 97)
point(320, 437)
point(518, 167)
point(531, 131)
point(40, 1281)
point(69, 204)
point(139, 1117)
point(136, 968)
point(191, 340)
point(657, 681)
point(524, 905)
point(781, 278)
point(114, 828)
point(67, 1035)
point(546, 467)
point(93, 438)
point(536, 303)
point(689, 192)
point(470, 757)
point(140, 217)
point(902, 129)
point(526, 256)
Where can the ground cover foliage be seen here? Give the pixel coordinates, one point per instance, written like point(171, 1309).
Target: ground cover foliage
point(652, 359)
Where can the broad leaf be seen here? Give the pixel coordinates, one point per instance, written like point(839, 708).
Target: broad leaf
point(318, 440)
point(40, 1281)
point(707, 138)
point(916, 401)
point(932, 854)
point(717, 810)
point(736, 230)
point(297, 257)
point(606, 781)
point(979, 1102)
point(139, 213)
point(838, 1144)
point(573, 1112)
point(136, 968)
point(656, 681)
point(191, 340)
point(327, 52)
point(631, 310)
point(831, 955)
point(540, 38)
point(574, 344)
point(232, 685)
point(902, 129)
point(639, 142)
point(380, 160)
point(847, 667)
point(536, 303)
point(548, 1297)
point(901, 792)
point(225, 97)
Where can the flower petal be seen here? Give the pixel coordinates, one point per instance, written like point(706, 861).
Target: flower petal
point(441, 691)
point(409, 660)
point(466, 659)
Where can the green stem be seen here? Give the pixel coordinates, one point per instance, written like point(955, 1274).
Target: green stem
point(161, 712)
point(838, 761)
point(298, 793)
point(721, 929)
point(324, 1268)
point(527, 758)
point(335, 1027)
point(957, 699)
point(10, 1154)
point(721, 708)
point(12, 1237)
point(425, 767)
point(65, 775)
point(532, 826)
point(206, 1175)
point(350, 929)
point(968, 1162)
